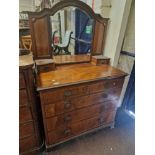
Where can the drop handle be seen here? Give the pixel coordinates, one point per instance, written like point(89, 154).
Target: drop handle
point(67, 118)
point(67, 93)
point(67, 131)
point(67, 104)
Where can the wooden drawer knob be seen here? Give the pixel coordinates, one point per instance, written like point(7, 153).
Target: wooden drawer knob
point(67, 131)
point(67, 104)
point(67, 118)
point(67, 93)
point(46, 68)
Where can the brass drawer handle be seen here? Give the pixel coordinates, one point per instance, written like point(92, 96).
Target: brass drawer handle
point(67, 104)
point(67, 93)
point(67, 118)
point(67, 131)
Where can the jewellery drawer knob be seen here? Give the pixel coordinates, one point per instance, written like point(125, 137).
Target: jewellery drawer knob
point(67, 131)
point(103, 62)
point(67, 93)
point(46, 68)
point(67, 118)
point(67, 105)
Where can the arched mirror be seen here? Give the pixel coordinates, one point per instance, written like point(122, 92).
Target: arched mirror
point(69, 27)
point(71, 32)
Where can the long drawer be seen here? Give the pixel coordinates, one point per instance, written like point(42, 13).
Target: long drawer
point(80, 102)
point(70, 92)
point(63, 132)
point(75, 116)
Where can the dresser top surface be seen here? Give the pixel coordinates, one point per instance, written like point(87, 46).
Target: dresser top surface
point(76, 75)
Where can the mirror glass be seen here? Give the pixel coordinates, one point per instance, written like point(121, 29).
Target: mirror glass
point(72, 31)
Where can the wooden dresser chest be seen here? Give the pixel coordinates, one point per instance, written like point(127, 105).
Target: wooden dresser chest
point(78, 100)
point(78, 93)
point(30, 140)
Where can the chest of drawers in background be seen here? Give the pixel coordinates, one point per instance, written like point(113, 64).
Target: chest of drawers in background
point(30, 141)
point(74, 110)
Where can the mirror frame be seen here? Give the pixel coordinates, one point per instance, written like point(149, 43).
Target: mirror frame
point(41, 19)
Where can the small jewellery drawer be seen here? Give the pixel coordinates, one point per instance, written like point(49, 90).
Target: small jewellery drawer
point(66, 132)
point(26, 144)
point(106, 84)
point(23, 98)
point(24, 114)
point(61, 107)
point(103, 61)
point(21, 81)
point(26, 129)
point(78, 115)
point(58, 94)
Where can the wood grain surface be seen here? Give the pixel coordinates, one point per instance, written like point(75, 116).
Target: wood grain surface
point(77, 75)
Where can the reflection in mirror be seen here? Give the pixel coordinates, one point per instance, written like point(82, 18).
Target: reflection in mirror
point(72, 31)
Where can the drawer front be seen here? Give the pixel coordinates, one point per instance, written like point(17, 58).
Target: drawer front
point(26, 144)
point(64, 93)
point(65, 132)
point(21, 81)
point(23, 98)
point(45, 68)
point(24, 114)
point(26, 129)
point(81, 114)
point(101, 62)
point(106, 84)
point(80, 102)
